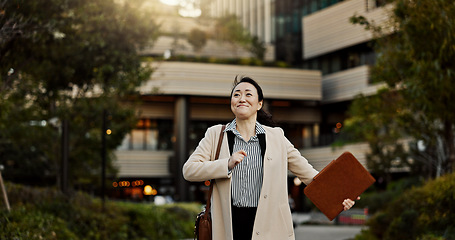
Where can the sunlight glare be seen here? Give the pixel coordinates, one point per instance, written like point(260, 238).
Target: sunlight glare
point(189, 9)
point(190, 12)
point(171, 2)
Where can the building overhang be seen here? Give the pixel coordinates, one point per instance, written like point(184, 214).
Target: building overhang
point(330, 29)
point(215, 80)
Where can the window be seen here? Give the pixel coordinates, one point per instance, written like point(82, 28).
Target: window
point(325, 65)
point(150, 135)
point(325, 3)
point(380, 3)
point(296, 21)
point(301, 135)
point(353, 59)
point(336, 63)
point(313, 6)
point(196, 131)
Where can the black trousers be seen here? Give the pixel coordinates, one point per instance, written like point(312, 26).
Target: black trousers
point(243, 222)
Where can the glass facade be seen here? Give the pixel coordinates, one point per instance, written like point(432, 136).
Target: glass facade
point(362, 54)
point(150, 135)
point(157, 135)
point(288, 23)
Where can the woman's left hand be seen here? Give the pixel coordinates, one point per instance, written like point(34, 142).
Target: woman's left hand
point(348, 203)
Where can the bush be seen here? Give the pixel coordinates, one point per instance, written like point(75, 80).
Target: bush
point(426, 212)
point(376, 200)
point(44, 213)
point(172, 221)
point(26, 223)
point(233, 61)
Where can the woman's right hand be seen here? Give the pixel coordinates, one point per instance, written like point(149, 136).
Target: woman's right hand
point(236, 158)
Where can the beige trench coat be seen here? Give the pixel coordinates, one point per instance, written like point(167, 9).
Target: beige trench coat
point(273, 218)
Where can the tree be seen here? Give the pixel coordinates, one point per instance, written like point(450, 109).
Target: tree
point(379, 120)
point(10, 27)
point(257, 48)
point(230, 30)
point(415, 60)
point(71, 61)
point(197, 38)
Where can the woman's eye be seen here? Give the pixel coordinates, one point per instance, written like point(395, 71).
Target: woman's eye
point(249, 94)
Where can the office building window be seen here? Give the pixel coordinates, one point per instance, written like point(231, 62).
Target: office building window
point(296, 21)
point(280, 26)
point(352, 57)
point(314, 6)
point(305, 10)
point(197, 129)
point(336, 64)
point(149, 135)
point(325, 3)
point(273, 20)
point(301, 135)
point(380, 3)
point(325, 65)
point(368, 58)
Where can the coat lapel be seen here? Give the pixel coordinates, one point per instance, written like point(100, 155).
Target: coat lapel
point(263, 144)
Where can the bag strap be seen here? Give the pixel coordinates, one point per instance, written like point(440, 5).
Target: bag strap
point(220, 141)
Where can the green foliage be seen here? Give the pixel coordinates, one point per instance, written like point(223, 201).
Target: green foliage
point(44, 213)
point(415, 59)
point(229, 29)
point(170, 222)
point(257, 48)
point(379, 120)
point(71, 61)
point(426, 212)
point(430, 237)
point(26, 223)
point(376, 199)
point(234, 61)
point(197, 38)
point(365, 235)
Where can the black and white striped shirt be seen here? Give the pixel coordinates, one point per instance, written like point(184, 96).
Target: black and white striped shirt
point(247, 176)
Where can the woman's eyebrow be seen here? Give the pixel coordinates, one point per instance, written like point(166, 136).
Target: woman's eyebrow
point(246, 90)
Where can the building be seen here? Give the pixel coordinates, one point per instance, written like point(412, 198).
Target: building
point(183, 99)
point(331, 58)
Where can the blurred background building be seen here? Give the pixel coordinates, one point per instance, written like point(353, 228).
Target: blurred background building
point(330, 59)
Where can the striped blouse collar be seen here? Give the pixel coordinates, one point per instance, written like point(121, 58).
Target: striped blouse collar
point(232, 126)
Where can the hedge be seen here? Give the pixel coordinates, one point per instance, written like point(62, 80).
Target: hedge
point(45, 213)
point(424, 213)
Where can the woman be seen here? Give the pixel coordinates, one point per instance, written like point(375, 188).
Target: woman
point(250, 194)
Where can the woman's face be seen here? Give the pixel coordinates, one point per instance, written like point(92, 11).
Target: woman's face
point(245, 101)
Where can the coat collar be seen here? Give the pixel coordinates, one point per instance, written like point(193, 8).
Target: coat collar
point(260, 132)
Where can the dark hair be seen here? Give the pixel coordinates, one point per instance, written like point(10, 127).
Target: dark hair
point(263, 117)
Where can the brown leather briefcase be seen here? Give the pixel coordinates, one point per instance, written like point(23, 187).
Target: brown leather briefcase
point(342, 178)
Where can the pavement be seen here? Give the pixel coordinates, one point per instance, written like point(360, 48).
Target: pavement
point(326, 232)
point(315, 226)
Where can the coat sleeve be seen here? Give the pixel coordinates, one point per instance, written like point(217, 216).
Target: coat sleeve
point(200, 166)
point(298, 164)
